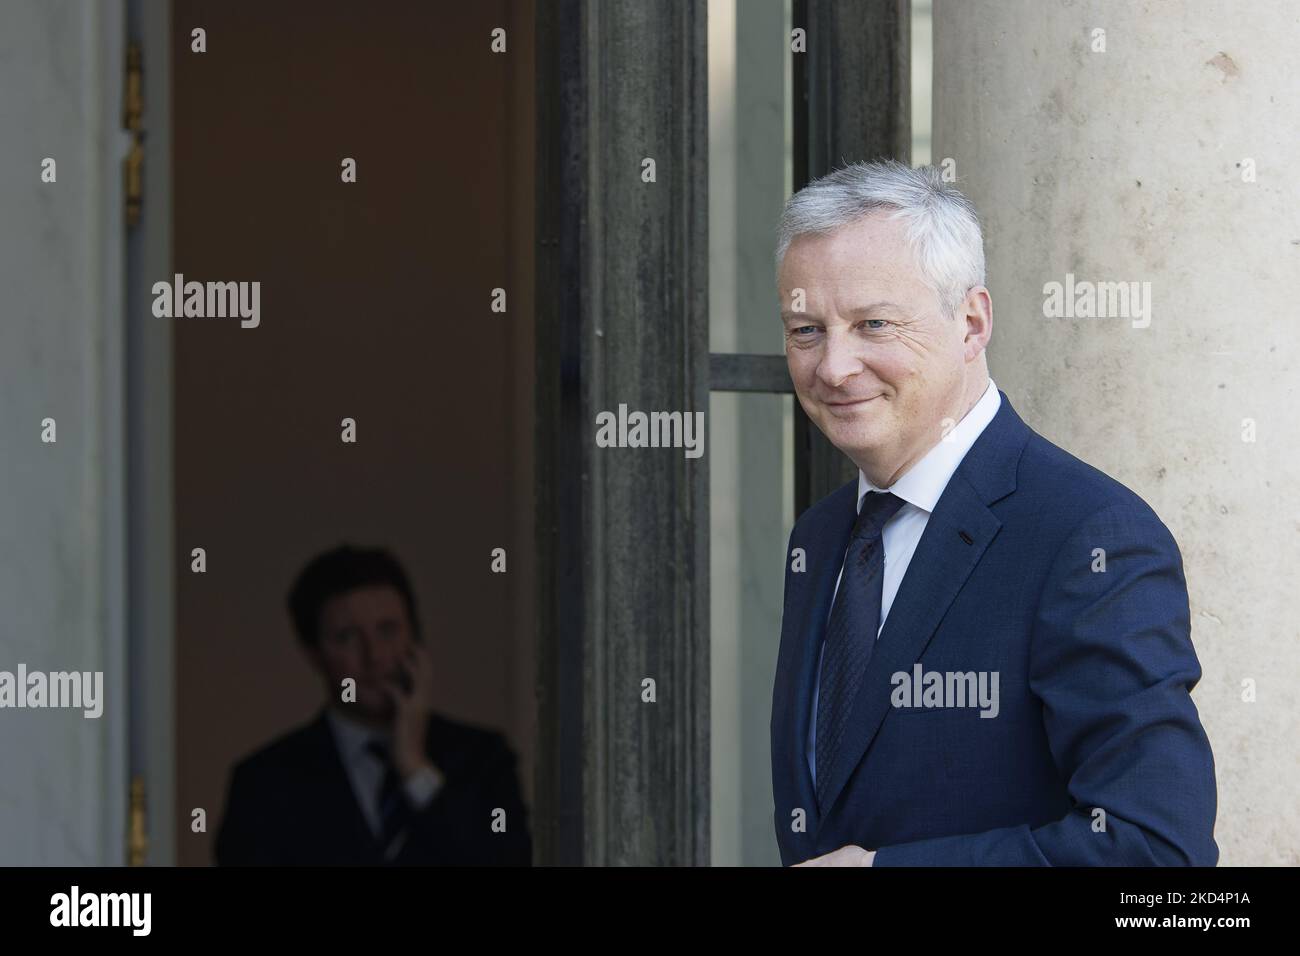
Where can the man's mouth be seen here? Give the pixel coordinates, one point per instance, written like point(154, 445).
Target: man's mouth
point(852, 403)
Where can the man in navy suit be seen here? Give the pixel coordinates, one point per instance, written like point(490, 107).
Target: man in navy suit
point(985, 653)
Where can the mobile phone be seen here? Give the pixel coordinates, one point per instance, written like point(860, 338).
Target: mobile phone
point(404, 679)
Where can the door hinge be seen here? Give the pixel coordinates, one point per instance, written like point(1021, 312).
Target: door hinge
point(132, 121)
point(137, 837)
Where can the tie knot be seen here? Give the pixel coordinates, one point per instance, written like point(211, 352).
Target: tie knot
point(877, 508)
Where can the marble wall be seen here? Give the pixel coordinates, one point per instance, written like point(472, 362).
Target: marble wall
point(62, 786)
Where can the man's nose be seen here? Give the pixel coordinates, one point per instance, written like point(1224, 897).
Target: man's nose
point(370, 649)
point(840, 360)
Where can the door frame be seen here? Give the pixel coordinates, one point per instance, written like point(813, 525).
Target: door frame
point(851, 101)
point(151, 555)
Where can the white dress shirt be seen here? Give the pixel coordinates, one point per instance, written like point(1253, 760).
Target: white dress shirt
point(366, 772)
point(920, 488)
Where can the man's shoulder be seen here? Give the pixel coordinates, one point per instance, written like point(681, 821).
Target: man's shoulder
point(284, 754)
point(838, 504)
point(462, 732)
point(456, 743)
point(1066, 490)
point(1059, 489)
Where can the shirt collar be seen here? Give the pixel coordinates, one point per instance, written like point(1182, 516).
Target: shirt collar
point(351, 736)
point(923, 483)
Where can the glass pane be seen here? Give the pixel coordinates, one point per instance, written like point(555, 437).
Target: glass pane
point(749, 170)
point(922, 76)
point(751, 511)
point(751, 445)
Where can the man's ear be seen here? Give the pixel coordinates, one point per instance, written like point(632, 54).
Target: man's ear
point(314, 658)
point(413, 630)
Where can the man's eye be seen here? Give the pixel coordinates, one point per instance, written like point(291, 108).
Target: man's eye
point(802, 329)
point(877, 328)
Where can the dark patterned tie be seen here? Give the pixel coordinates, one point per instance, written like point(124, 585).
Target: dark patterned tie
point(851, 632)
point(394, 811)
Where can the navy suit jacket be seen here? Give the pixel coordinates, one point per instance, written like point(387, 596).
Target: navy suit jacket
point(1095, 669)
point(291, 804)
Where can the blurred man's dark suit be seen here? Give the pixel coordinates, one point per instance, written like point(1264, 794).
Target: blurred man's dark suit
point(292, 803)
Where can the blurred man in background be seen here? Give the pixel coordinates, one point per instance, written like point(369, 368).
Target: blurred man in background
point(377, 777)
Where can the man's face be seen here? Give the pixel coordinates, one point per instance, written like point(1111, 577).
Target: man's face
point(875, 361)
point(365, 634)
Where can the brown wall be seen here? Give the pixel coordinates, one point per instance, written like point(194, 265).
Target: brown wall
point(374, 305)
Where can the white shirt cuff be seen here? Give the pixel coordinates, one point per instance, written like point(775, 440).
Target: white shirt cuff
point(422, 786)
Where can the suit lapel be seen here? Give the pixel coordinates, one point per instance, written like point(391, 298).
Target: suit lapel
point(939, 568)
point(803, 624)
point(336, 801)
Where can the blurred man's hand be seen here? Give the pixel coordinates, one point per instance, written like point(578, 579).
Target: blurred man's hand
point(412, 709)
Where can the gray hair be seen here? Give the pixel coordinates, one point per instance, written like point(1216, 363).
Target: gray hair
point(943, 228)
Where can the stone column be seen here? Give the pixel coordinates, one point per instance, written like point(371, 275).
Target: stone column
point(622, 531)
point(1119, 142)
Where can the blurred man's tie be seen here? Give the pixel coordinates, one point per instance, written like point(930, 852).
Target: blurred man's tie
point(394, 811)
